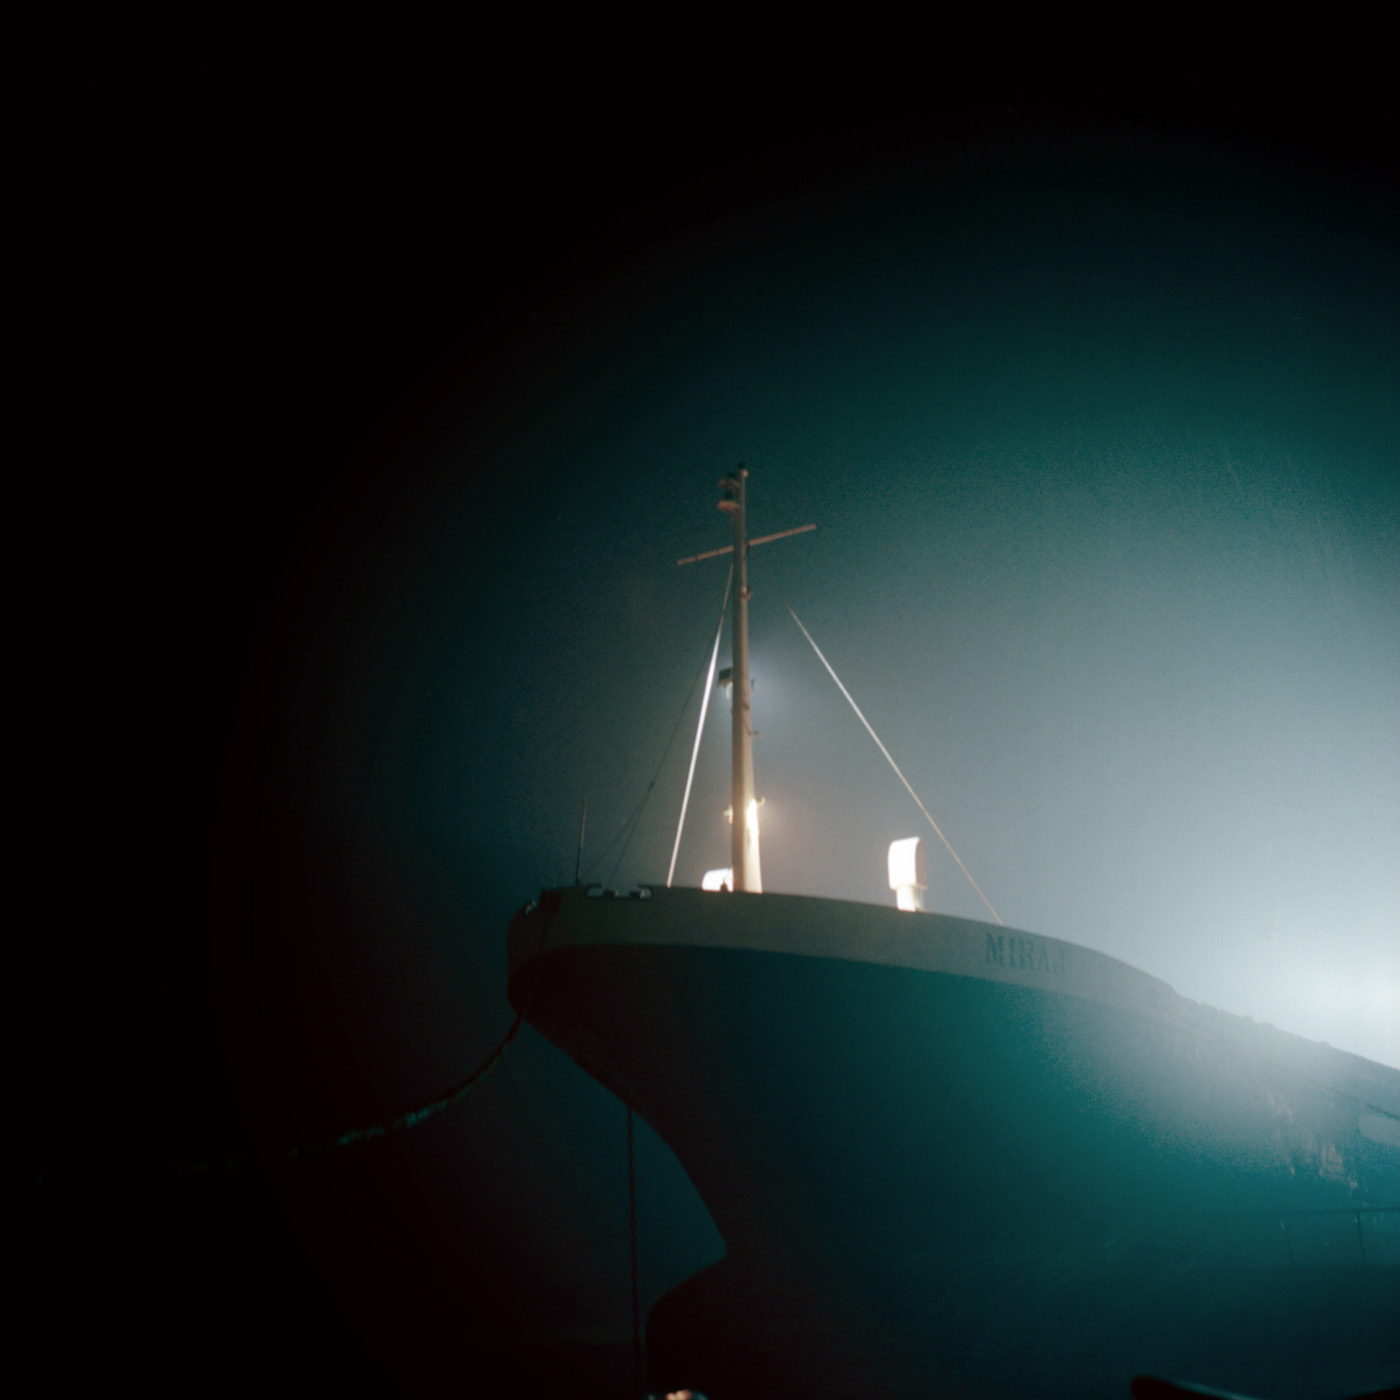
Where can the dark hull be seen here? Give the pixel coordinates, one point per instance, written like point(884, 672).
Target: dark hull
point(950, 1159)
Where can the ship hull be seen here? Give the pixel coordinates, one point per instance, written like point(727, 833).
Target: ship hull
point(951, 1158)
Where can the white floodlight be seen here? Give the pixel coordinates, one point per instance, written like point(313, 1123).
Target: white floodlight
point(908, 872)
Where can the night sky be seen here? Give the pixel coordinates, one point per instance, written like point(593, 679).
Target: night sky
point(1098, 416)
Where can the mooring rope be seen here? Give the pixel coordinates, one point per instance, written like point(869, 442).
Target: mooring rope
point(888, 757)
point(410, 1118)
point(414, 1116)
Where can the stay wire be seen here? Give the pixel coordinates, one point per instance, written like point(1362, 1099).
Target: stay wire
point(768, 577)
point(699, 731)
point(629, 826)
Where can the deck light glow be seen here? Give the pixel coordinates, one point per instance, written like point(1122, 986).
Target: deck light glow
point(908, 872)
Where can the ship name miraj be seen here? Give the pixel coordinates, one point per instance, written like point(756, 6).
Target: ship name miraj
point(1014, 950)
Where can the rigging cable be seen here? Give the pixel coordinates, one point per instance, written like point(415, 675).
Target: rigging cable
point(883, 749)
point(699, 729)
point(629, 826)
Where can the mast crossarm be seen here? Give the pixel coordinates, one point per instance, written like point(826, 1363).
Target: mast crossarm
point(729, 548)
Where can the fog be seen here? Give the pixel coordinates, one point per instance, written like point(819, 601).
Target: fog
point(1098, 423)
point(1099, 436)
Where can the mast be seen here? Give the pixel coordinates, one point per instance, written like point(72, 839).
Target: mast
point(744, 813)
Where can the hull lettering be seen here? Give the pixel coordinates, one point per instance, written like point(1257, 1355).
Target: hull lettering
point(1025, 954)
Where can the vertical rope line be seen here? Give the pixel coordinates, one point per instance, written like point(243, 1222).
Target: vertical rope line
point(699, 729)
point(632, 1226)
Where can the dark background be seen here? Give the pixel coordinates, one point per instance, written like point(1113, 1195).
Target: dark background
point(316, 282)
